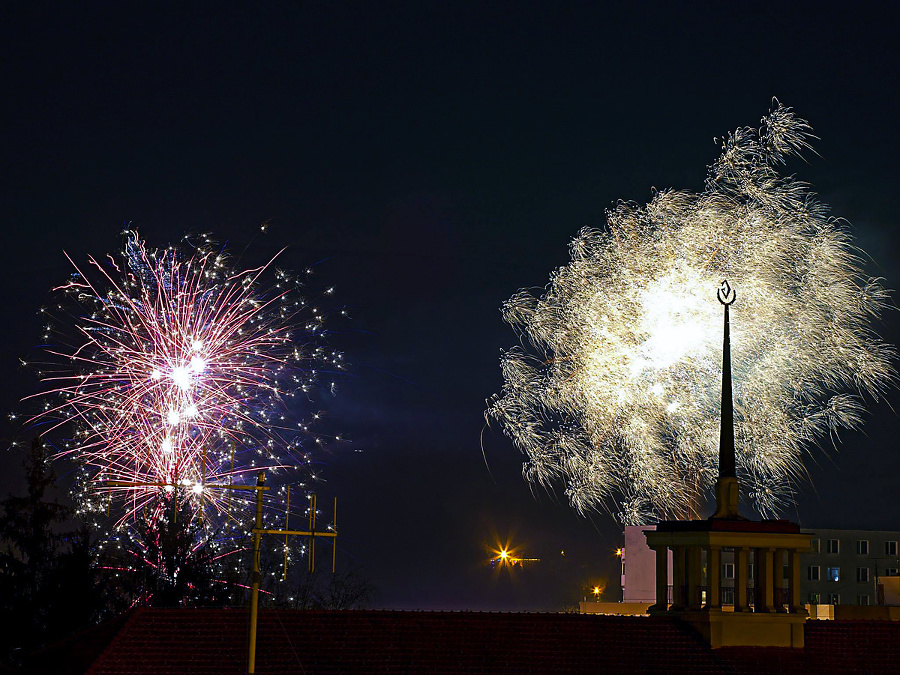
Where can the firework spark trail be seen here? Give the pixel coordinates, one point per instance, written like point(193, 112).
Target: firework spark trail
point(180, 371)
point(617, 396)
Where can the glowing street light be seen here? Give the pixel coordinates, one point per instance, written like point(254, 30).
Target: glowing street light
point(505, 557)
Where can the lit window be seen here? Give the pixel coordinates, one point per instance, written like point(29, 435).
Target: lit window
point(834, 598)
point(812, 573)
point(862, 574)
point(814, 546)
point(890, 548)
point(728, 571)
point(834, 546)
point(862, 547)
point(814, 598)
point(833, 574)
point(862, 600)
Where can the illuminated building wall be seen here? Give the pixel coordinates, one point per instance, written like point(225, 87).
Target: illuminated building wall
point(639, 566)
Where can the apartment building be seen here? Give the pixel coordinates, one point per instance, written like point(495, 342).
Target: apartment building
point(847, 567)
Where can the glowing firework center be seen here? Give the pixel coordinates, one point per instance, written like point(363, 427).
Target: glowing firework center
point(614, 391)
point(177, 395)
point(674, 326)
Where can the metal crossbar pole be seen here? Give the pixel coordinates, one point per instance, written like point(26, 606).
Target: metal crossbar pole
point(258, 531)
point(254, 596)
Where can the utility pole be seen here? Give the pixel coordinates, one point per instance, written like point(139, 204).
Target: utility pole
point(258, 531)
point(254, 594)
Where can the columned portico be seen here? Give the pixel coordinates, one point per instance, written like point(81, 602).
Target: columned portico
point(764, 619)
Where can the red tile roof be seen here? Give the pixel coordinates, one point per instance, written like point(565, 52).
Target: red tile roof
point(212, 641)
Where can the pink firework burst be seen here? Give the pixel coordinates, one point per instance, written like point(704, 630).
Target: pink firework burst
point(179, 372)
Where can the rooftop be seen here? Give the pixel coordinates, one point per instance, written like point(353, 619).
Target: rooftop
point(200, 642)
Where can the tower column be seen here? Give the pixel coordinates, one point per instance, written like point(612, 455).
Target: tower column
point(764, 584)
point(713, 577)
point(794, 573)
point(778, 571)
point(662, 578)
point(740, 579)
point(678, 578)
point(694, 576)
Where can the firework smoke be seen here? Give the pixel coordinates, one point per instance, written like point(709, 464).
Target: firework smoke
point(616, 393)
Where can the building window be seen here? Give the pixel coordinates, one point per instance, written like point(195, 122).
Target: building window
point(728, 595)
point(833, 574)
point(812, 573)
point(814, 598)
point(862, 600)
point(862, 547)
point(834, 546)
point(814, 546)
point(750, 570)
point(862, 574)
point(891, 572)
point(785, 571)
point(890, 548)
point(728, 571)
point(834, 598)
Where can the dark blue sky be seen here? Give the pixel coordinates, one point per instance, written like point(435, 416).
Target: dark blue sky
point(436, 157)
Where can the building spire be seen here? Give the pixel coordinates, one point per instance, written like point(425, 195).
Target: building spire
point(727, 489)
point(726, 296)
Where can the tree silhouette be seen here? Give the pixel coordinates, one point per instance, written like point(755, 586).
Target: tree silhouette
point(168, 559)
point(30, 556)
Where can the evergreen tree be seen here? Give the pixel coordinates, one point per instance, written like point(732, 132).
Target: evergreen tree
point(30, 546)
point(169, 559)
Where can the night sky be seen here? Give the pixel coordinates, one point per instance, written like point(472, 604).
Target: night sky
point(432, 158)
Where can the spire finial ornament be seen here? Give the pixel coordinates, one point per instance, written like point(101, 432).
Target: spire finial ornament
point(727, 489)
point(726, 294)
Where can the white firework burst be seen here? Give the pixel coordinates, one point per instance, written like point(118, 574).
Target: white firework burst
point(616, 389)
